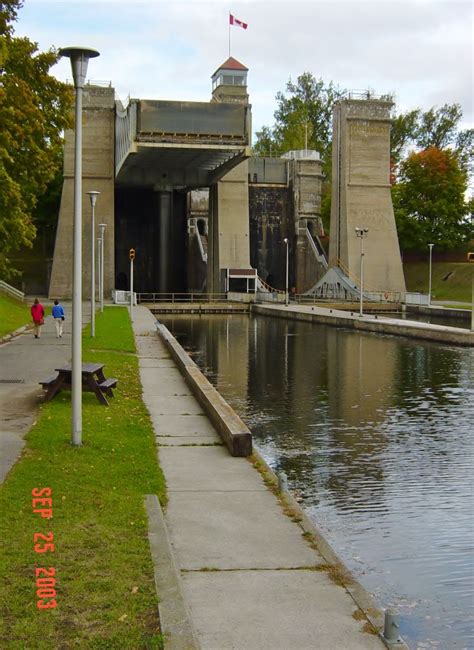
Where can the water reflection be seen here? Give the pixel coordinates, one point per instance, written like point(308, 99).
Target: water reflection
point(375, 432)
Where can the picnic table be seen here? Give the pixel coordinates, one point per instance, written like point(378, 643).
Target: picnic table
point(93, 380)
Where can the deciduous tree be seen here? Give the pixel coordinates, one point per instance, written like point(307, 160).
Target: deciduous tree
point(303, 116)
point(429, 200)
point(35, 108)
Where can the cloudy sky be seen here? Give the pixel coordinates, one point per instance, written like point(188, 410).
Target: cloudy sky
point(419, 50)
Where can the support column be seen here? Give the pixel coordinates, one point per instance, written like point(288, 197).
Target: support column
point(361, 194)
point(165, 243)
point(213, 280)
point(98, 174)
point(229, 242)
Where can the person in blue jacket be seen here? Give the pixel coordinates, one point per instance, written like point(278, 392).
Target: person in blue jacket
point(58, 315)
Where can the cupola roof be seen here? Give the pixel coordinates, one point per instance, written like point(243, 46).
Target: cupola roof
point(231, 64)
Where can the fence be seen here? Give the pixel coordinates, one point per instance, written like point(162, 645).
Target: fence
point(181, 297)
point(7, 288)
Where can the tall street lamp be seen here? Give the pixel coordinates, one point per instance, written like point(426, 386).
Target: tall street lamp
point(79, 57)
point(472, 306)
point(102, 227)
point(429, 278)
point(99, 263)
point(286, 274)
point(361, 233)
point(93, 199)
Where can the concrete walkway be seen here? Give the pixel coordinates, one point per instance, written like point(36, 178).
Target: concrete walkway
point(24, 362)
point(249, 578)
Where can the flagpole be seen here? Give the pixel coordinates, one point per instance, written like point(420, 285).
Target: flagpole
point(229, 34)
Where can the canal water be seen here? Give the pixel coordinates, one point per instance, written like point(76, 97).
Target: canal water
point(376, 436)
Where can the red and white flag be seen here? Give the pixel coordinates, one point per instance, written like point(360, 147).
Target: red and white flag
point(238, 23)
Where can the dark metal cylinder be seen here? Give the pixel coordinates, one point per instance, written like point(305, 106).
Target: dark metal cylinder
point(391, 626)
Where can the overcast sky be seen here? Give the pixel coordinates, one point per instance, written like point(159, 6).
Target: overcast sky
point(419, 50)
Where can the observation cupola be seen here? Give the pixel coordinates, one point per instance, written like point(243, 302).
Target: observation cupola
point(229, 83)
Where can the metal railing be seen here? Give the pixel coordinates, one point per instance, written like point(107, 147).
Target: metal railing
point(7, 288)
point(201, 246)
point(125, 131)
point(317, 253)
point(267, 287)
point(378, 295)
point(371, 296)
point(181, 297)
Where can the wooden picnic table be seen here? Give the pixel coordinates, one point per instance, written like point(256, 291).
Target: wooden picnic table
point(93, 380)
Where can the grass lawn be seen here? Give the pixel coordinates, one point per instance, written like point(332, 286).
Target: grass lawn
point(105, 590)
point(450, 280)
point(13, 314)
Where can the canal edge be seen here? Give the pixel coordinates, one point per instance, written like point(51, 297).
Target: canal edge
point(232, 424)
point(361, 597)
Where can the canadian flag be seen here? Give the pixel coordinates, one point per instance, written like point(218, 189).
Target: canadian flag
point(238, 23)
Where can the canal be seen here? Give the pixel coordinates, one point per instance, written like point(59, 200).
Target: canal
point(376, 436)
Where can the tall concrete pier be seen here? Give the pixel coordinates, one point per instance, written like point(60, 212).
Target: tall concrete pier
point(361, 195)
point(98, 174)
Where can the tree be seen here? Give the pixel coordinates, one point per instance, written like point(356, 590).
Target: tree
point(437, 127)
point(35, 108)
point(429, 200)
point(266, 144)
point(303, 116)
point(403, 133)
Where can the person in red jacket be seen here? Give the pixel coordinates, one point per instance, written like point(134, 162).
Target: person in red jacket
point(37, 314)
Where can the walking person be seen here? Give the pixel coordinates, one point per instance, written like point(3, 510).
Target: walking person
point(58, 315)
point(37, 314)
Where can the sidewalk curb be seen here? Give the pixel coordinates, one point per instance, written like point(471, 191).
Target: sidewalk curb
point(175, 621)
point(12, 335)
point(233, 431)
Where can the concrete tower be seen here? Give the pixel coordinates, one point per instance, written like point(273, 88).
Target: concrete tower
point(229, 83)
point(361, 195)
point(97, 174)
point(229, 241)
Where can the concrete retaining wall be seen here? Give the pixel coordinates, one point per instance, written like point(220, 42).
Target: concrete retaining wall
point(230, 427)
point(444, 312)
point(441, 334)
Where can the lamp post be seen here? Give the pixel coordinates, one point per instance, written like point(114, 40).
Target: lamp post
point(429, 279)
point(472, 305)
point(99, 262)
point(79, 57)
point(286, 274)
point(361, 233)
point(102, 227)
point(131, 255)
point(93, 199)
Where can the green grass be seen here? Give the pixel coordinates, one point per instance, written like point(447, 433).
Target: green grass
point(105, 589)
point(451, 281)
point(13, 314)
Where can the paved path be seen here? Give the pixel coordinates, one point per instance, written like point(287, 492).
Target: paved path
point(247, 573)
point(24, 362)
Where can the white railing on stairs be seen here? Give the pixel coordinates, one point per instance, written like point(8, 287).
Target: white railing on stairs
point(201, 247)
point(7, 288)
point(320, 257)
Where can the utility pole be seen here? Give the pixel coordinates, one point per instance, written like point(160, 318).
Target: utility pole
point(361, 233)
point(131, 255)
